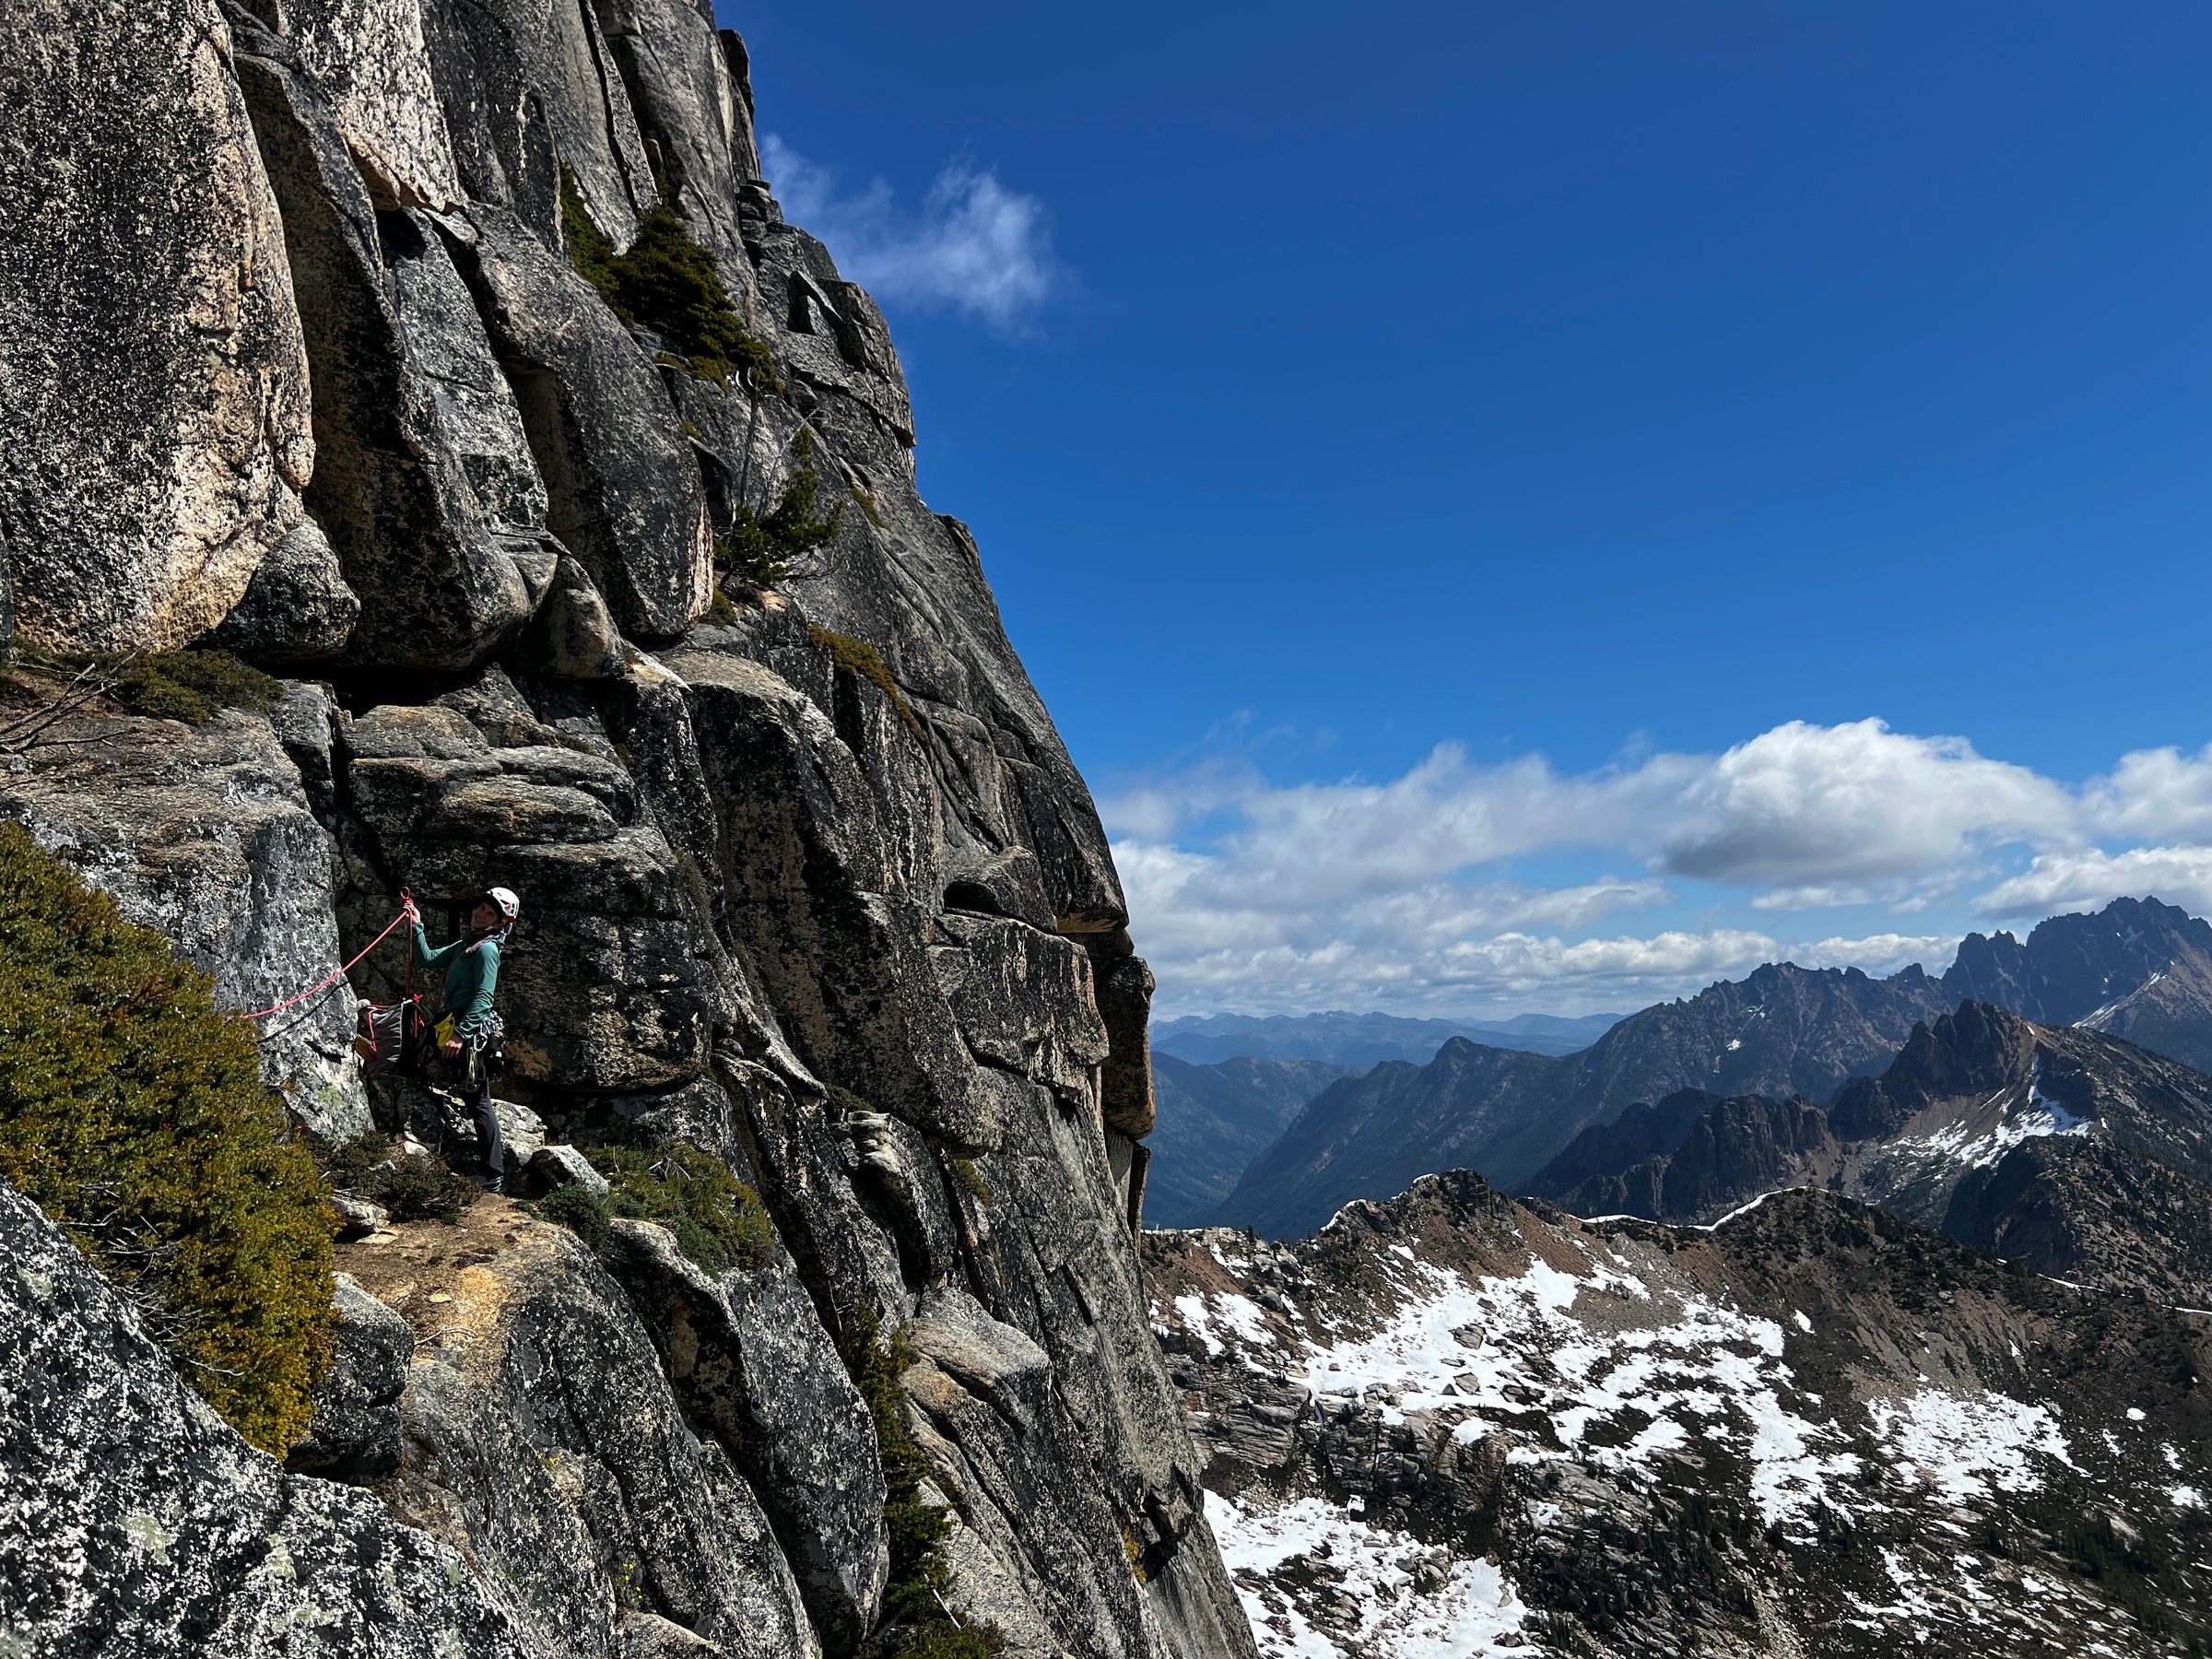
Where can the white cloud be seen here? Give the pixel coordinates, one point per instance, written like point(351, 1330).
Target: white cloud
point(2156, 794)
point(975, 246)
point(2086, 880)
point(1396, 894)
point(1830, 805)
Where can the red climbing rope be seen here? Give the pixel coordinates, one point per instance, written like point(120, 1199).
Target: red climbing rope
point(340, 974)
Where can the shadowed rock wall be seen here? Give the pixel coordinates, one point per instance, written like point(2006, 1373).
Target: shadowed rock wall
point(808, 879)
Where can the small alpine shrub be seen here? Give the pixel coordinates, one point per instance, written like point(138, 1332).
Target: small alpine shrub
point(859, 657)
point(913, 1623)
point(135, 1114)
point(195, 684)
point(591, 251)
point(191, 686)
point(579, 1209)
point(669, 283)
point(760, 546)
point(418, 1188)
point(719, 1222)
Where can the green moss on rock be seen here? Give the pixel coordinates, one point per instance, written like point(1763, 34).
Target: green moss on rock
point(719, 1222)
point(860, 657)
point(135, 1114)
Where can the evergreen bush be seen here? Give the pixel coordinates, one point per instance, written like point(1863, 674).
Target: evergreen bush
point(135, 1116)
point(760, 546)
point(191, 686)
point(913, 1623)
point(418, 1188)
point(668, 283)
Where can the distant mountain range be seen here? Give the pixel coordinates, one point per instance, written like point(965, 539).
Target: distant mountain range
point(1784, 1031)
point(1783, 1038)
point(2072, 1150)
point(1215, 1119)
point(1365, 1040)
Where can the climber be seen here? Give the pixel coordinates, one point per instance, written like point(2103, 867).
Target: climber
point(469, 1028)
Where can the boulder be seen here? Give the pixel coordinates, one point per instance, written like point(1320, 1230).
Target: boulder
point(296, 609)
point(991, 1360)
point(542, 1436)
point(154, 399)
point(357, 1217)
point(148, 1528)
point(748, 1356)
point(574, 635)
point(553, 1168)
point(355, 1435)
point(1024, 1002)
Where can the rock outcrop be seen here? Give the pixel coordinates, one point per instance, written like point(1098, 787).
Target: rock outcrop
point(136, 1522)
point(809, 883)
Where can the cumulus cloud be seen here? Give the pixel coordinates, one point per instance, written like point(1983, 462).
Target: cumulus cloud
point(1856, 803)
point(1359, 892)
point(2156, 794)
point(974, 246)
point(2089, 880)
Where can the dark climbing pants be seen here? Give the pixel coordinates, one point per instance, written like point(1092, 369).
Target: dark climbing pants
point(476, 1078)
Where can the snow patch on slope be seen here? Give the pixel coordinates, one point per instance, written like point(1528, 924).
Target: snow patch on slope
point(1358, 1594)
point(1969, 1448)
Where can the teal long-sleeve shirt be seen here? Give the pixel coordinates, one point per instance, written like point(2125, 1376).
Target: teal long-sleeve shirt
point(471, 977)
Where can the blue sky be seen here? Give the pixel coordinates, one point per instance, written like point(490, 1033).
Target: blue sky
point(1541, 507)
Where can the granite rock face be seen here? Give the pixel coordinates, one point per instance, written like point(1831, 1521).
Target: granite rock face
point(137, 1522)
point(809, 882)
point(154, 423)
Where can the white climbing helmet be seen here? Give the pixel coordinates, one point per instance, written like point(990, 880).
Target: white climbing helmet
point(503, 900)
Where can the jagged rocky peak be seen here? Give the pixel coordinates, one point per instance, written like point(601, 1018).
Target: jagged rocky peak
point(318, 350)
point(1976, 1048)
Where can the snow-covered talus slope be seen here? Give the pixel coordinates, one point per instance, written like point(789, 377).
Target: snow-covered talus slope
point(1454, 1425)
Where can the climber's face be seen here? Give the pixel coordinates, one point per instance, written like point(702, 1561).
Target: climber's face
point(484, 918)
